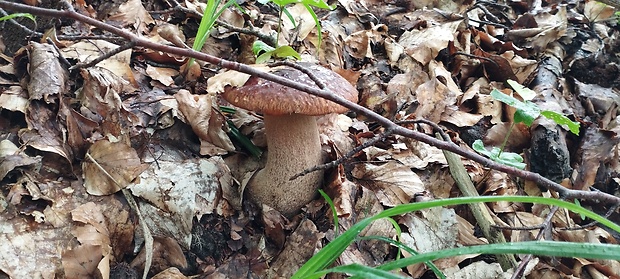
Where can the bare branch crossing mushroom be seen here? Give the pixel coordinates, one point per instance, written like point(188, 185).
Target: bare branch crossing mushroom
point(292, 134)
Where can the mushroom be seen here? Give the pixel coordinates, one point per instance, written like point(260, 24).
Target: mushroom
point(292, 135)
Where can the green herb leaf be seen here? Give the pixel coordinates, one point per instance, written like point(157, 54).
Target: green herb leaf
point(496, 154)
point(268, 52)
point(525, 93)
point(562, 120)
point(259, 46)
point(526, 112)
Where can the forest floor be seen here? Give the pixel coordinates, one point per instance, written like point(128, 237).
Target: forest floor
point(82, 146)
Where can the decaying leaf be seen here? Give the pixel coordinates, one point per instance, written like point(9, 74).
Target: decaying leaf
point(47, 77)
point(393, 183)
point(201, 113)
point(110, 167)
point(301, 245)
point(118, 64)
point(133, 13)
point(178, 192)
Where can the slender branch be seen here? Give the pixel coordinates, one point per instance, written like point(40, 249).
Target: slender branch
point(540, 180)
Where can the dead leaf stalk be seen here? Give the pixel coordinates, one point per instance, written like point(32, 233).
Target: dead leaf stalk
point(148, 237)
point(388, 124)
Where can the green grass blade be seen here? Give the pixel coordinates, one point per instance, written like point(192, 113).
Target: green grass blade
point(210, 15)
point(410, 250)
point(12, 16)
point(289, 15)
point(360, 271)
point(332, 251)
point(317, 23)
point(541, 248)
point(246, 143)
point(333, 209)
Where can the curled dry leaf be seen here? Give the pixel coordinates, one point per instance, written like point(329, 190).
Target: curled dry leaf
point(166, 253)
point(82, 262)
point(433, 230)
point(47, 76)
point(14, 98)
point(170, 273)
point(216, 84)
point(43, 132)
point(342, 192)
point(424, 45)
point(10, 159)
point(117, 165)
point(391, 182)
point(207, 123)
point(171, 33)
point(163, 75)
point(133, 13)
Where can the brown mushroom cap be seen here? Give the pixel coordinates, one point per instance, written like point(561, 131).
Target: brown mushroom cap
point(272, 98)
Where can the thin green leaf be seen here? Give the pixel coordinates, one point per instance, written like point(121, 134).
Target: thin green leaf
point(263, 57)
point(315, 3)
point(562, 120)
point(246, 143)
point(227, 109)
point(279, 52)
point(409, 250)
point(286, 51)
point(259, 46)
point(210, 15)
point(541, 248)
point(583, 217)
point(332, 251)
point(525, 93)
point(359, 270)
point(398, 232)
point(333, 209)
point(317, 23)
point(11, 16)
point(289, 16)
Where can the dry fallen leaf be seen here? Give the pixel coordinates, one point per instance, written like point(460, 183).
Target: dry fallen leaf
point(300, 246)
point(47, 76)
point(166, 253)
point(133, 13)
point(201, 113)
point(176, 192)
point(392, 182)
point(117, 165)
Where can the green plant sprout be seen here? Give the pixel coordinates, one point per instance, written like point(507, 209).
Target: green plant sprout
point(318, 264)
point(526, 112)
point(210, 15)
point(264, 52)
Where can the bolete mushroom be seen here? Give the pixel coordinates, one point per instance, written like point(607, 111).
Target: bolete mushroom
point(293, 142)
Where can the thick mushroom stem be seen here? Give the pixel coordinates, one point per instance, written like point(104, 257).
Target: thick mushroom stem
point(294, 145)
